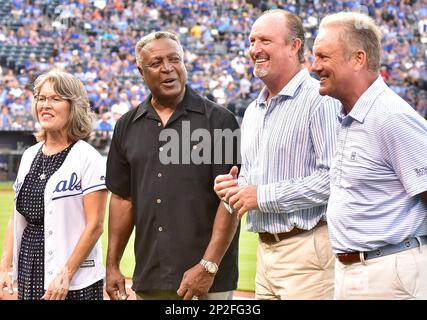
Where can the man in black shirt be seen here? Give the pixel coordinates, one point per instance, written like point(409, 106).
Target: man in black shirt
point(161, 167)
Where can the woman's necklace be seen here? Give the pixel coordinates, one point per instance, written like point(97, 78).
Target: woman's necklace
point(52, 161)
point(43, 174)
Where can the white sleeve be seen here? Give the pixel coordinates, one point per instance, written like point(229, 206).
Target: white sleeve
point(93, 172)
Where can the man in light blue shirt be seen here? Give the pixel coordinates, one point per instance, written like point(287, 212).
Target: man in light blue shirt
point(377, 211)
point(288, 138)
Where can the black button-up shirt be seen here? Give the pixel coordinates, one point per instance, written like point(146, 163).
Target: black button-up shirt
point(174, 205)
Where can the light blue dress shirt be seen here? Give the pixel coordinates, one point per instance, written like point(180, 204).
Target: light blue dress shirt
point(377, 174)
point(287, 149)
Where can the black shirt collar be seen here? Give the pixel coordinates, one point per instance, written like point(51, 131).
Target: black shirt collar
point(191, 102)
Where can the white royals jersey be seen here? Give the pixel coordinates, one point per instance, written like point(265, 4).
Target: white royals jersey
point(82, 172)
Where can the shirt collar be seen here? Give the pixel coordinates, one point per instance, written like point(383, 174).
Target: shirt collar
point(261, 100)
point(292, 86)
point(289, 90)
point(192, 102)
point(365, 101)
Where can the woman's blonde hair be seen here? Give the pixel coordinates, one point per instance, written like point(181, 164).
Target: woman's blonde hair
point(70, 88)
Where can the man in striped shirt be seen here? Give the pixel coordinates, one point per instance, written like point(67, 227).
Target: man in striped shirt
point(288, 137)
point(377, 212)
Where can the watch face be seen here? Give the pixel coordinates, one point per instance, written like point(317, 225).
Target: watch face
point(212, 268)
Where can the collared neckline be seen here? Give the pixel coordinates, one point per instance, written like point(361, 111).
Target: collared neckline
point(289, 90)
point(292, 86)
point(191, 102)
point(365, 102)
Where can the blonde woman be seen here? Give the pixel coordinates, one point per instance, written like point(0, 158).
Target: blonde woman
point(53, 238)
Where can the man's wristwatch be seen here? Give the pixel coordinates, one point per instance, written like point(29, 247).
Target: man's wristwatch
point(210, 267)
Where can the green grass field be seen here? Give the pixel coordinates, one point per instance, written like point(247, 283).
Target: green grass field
point(247, 246)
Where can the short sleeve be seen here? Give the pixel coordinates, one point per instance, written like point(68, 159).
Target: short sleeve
point(404, 146)
point(229, 144)
point(93, 175)
point(118, 168)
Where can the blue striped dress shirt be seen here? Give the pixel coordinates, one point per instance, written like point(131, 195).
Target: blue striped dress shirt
point(287, 147)
point(377, 174)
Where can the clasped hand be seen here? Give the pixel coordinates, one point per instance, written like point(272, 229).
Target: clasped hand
point(240, 199)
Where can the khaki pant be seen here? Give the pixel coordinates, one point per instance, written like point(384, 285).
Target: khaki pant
point(300, 267)
point(172, 295)
point(397, 276)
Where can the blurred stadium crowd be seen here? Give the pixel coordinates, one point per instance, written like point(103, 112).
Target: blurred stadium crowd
point(95, 40)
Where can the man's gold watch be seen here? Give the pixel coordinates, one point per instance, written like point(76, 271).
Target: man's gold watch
point(210, 267)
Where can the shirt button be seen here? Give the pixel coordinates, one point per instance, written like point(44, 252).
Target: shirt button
point(159, 124)
point(195, 146)
point(50, 252)
point(50, 272)
point(159, 201)
point(50, 232)
point(160, 229)
point(161, 148)
point(159, 174)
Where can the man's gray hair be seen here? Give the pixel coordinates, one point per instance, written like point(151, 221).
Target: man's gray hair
point(151, 37)
point(357, 31)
